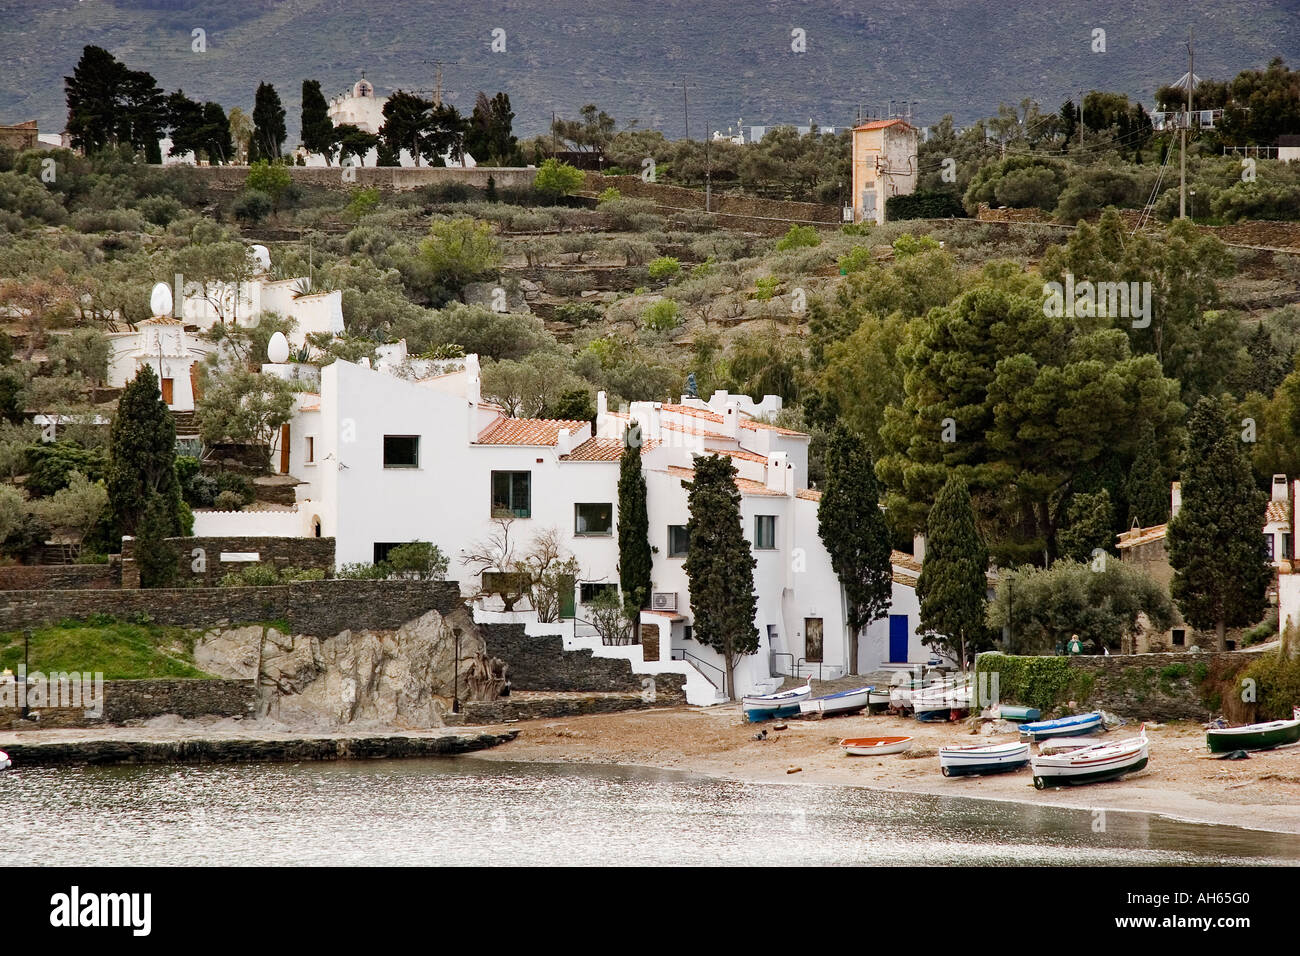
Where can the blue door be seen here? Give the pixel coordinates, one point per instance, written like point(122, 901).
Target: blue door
point(898, 634)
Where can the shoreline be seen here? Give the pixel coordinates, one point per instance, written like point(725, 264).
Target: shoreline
point(1181, 783)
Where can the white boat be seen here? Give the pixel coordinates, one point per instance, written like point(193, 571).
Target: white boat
point(833, 705)
point(1061, 745)
point(1076, 726)
point(5, 762)
point(781, 704)
point(1107, 761)
point(982, 759)
point(875, 746)
point(941, 699)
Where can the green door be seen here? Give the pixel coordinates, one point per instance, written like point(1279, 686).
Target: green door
point(567, 605)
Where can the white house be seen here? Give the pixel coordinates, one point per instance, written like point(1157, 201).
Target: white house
point(385, 460)
point(168, 346)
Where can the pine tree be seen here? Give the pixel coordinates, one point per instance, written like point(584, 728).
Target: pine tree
point(1148, 483)
point(317, 128)
point(154, 555)
point(634, 560)
point(953, 586)
point(852, 527)
point(720, 566)
point(142, 455)
point(268, 125)
point(1221, 573)
point(1089, 517)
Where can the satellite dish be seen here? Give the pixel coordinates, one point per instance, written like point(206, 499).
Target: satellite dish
point(262, 256)
point(160, 300)
point(277, 350)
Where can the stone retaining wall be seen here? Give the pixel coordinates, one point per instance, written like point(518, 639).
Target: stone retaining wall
point(321, 608)
point(510, 708)
point(279, 551)
point(130, 700)
point(542, 664)
point(1165, 686)
point(382, 177)
point(739, 208)
point(45, 577)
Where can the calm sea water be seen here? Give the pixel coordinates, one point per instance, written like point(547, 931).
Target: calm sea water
point(473, 811)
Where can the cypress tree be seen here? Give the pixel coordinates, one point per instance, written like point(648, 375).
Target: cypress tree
point(156, 557)
point(1221, 573)
point(953, 587)
point(852, 527)
point(142, 455)
point(720, 566)
point(634, 561)
point(1148, 483)
point(268, 125)
point(317, 129)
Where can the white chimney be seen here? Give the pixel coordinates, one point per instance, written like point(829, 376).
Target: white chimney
point(1175, 499)
point(1279, 487)
point(563, 442)
point(731, 421)
point(776, 465)
point(918, 547)
point(602, 410)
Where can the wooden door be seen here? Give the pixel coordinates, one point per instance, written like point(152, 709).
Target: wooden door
point(167, 390)
point(284, 449)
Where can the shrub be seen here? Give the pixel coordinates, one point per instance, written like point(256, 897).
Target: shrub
point(765, 288)
point(363, 571)
point(1042, 682)
point(938, 204)
point(556, 179)
point(799, 237)
point(857, 259)
point(228, 501)
point(418, 560)
point(662, 316)
point(664, 268)
point(253, 206)
point(608, 194)
point(1277, 681)
point(577, 313)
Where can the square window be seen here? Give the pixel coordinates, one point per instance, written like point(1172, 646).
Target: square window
point(512, 493)
point(590, 590)
point(593, 519)
point(401, 451)
point(765, 532)
point(679, 542)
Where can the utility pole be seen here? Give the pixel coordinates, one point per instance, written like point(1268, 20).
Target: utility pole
point(708, 167)
point(686, 110)
point(1187, 121)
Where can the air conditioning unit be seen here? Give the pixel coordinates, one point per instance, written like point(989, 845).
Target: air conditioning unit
point(663, 601)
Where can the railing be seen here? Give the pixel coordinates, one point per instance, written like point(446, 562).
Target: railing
point(771, 661)
point(692, 659)
point(804, 660)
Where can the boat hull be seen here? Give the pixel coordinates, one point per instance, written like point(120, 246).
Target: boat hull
point(1066, 727)
point(771, 706)
point(836, 705)
point(981, 761)
point(1042, 782)
point(875, 746)
point(1266, 737)
point(1091, 764)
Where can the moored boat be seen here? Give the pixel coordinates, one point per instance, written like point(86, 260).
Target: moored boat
point(836, 705)
point(1065, 727)
point(1060, 745)
point(1265, 736)
point(1107, 761)
point(1011, 712)
point(875, 746)
point(877, 700)
point(781, 704)
point(982, 759)
point(5, 762)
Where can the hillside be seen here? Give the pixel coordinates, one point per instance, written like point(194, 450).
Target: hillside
point(963, 57)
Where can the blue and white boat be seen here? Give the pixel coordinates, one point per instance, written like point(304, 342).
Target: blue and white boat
point(781, 704)
point(837, 705)
point(1074, 726)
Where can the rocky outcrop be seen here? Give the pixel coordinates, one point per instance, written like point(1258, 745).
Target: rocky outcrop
point(394, 678)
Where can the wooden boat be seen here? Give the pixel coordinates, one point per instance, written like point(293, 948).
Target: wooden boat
point(5, 762)
point(1074, 726)
point(982, 759)
point(1106, 761)
point(875, 746)
point(1265, 736)
point(781, 704)
point(941, 701)
point(836, 705)
point(877, 700)
point(1060, 745)
point(1011, 712)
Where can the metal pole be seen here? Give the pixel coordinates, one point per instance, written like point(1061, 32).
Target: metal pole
point(455, 670)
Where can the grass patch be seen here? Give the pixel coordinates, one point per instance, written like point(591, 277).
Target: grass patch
point(120, 650)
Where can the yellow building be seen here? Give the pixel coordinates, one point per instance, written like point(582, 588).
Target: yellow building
point(884, 165)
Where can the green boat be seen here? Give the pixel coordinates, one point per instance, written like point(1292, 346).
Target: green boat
point(1275, 733)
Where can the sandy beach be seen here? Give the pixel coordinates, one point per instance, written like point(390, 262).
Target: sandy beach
point(1181, 781)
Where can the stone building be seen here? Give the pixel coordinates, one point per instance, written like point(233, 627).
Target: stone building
point(884, 165)
point(21, 136)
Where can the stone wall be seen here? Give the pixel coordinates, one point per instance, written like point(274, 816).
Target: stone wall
point(542, 664)
point(310, 607)
point(552, 708)
point(132, 700)
point(742, 212)
point(58, 577)
point(1165, 686)
point(279, 551)
point(382, 177)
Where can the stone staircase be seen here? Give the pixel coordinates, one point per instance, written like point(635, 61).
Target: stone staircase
point(187, 425)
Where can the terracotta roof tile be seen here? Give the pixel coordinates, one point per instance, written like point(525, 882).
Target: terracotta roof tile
point(905, 560)
point(808, 494)
point(694, 412)
point(692, 429)
point(603, 449)
point(745, 486)
point(526, 431)
point(1131, 539)
point(738, 453)
point(881, 124)
point(1278, 513)
point(755, 424)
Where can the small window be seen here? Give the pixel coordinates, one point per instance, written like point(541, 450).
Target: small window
point(765, 532)
point(679, 542)
point(401, 451)
point(590, 590)
point(688, 632)
point(512, 493)
point(309, 449)
point(593, 519)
